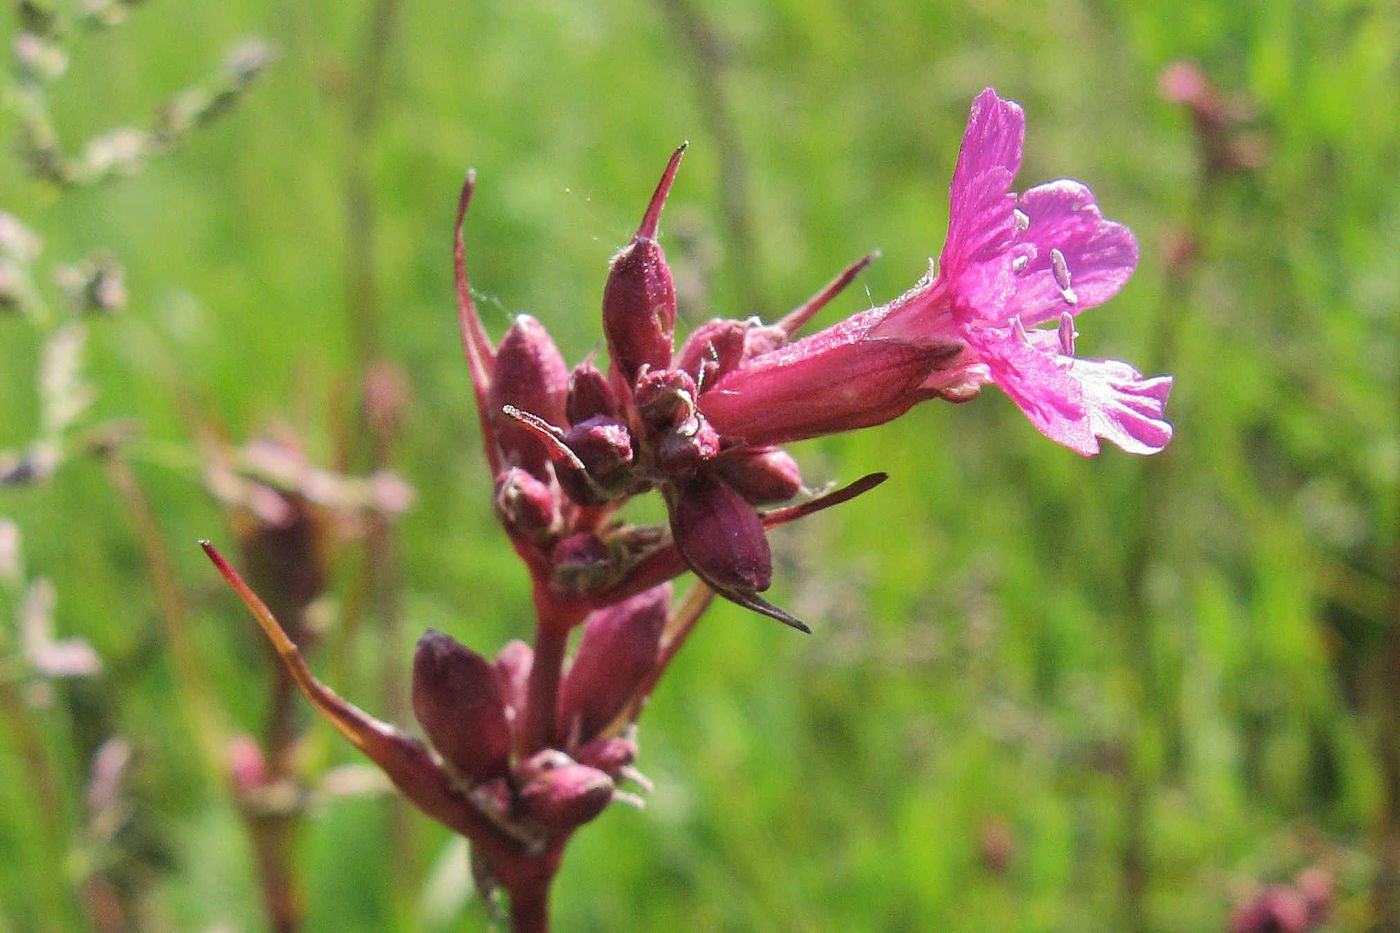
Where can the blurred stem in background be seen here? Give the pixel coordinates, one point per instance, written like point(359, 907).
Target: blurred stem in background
point(382, 391)
point(207, 721)
point(710, 58)
point(1386, 890)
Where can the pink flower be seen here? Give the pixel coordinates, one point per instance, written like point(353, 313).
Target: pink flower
point(1011, 263)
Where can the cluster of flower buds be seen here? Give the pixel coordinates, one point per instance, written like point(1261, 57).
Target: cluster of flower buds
point(472, 711)
point(481, 774)
point(570, 446)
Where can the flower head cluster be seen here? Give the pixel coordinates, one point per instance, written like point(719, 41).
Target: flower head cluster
point(526, 749)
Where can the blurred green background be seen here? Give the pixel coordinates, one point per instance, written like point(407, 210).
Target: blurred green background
point(1043, 693)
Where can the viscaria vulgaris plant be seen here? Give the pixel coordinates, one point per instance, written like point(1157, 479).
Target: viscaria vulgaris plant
point(525, 749)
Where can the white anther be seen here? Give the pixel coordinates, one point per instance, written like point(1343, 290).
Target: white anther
point(1067, 333)
point(1023, 223)
point(1018, 265)
point(1061, 270)
point(1057, 263)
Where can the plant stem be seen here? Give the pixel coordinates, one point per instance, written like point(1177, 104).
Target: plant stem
point(542, 688)
point(274, 845)
point(205, 720)
point(529, 891)
point(529, 909)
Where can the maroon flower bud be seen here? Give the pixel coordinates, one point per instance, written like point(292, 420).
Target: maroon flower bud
point(639, 300)
point(760, 474)
point(590, 395)
point(721, 536)
point(604, 447)
point(713, 349)
point(526, 506)
point(683, 450)
point(512, 673)
point(610, 755)
point(618, 650)
point(457, 699)
point(582, 562)
point(530, 375)
point(666, 398)
point(564, 795)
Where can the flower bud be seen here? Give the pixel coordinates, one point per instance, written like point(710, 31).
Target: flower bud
point(1317, 886)
point(639, 309)
point(761, 475)
point(720, 536)
point(665, 398)
point(604, 447)
point(609, 755)
point(526, 506)
point(712, 349)
point(530, 375)
point(590, 395)
point(457, 699)
point(639, 299)
point(566, 795)
point(618, 649)
point(685, 449)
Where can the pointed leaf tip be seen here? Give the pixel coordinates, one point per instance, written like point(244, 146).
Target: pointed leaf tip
point(756, 603)
point(652, 218)
point(795, 319)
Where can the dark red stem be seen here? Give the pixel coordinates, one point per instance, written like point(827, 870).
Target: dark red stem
point(555, 619)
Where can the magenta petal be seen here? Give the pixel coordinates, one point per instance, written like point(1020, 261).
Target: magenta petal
point(1124, 408)
point(1041, 385)
point(1097, 256)
point(981, 211)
